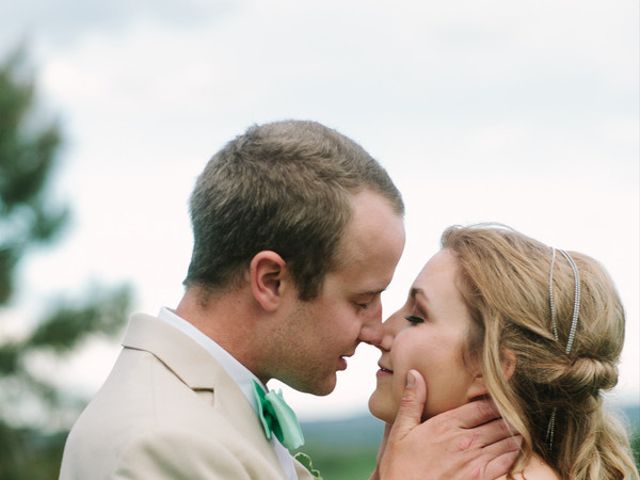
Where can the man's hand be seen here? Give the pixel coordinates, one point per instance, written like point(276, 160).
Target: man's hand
point(470, 442)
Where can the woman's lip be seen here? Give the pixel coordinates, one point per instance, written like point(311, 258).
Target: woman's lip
point(384, 371)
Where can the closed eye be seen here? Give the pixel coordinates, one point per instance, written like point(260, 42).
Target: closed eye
point(367, 299)
point(414, 320)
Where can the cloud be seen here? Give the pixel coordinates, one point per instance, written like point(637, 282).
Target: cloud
point(65, 22)
point(523, 112)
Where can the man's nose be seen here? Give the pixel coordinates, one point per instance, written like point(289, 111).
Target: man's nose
point(371, 333)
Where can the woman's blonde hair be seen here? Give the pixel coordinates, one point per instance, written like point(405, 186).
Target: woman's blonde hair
point(504, 279)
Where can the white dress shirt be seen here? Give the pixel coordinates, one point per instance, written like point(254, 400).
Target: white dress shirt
point(238, 373)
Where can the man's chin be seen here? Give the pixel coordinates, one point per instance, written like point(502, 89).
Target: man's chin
point(320, 388)
point(324, 390)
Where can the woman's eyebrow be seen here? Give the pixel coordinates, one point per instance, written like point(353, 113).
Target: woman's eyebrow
point(419, 291)
point(415, 291)
point(423, 302)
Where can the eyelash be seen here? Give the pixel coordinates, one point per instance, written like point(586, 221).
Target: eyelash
point(414, 320)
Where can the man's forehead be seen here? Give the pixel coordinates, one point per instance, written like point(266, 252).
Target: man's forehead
point(362, 275)
point(370, 245)
point(368, 240)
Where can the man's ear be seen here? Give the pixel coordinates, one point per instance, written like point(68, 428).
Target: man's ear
point(478, 389)
point(267, 271)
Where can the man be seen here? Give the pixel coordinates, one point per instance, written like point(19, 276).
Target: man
point(297, 231)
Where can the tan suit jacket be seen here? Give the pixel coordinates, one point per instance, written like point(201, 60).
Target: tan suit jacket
point(168, 410)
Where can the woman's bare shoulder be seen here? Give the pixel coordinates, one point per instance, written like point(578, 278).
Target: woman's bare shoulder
point(536, 469)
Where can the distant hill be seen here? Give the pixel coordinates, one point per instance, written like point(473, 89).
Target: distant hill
point(363, 430)
point(346, 449)
point(367, 430)
point(629, 414)
point(343, 449)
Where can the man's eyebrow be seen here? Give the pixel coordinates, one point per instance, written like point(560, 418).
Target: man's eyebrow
point(373, 292)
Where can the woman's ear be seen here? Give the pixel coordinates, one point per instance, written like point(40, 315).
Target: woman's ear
point(508, 363)
point(267, 271)
point(478, 389)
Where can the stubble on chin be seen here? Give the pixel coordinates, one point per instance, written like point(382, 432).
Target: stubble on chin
point(313, 381)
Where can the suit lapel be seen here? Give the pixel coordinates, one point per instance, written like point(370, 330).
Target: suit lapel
point(198, 370)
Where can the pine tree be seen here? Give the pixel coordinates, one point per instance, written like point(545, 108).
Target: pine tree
point(31, 443)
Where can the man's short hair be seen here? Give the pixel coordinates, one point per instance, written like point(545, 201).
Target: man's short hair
point(285, 187)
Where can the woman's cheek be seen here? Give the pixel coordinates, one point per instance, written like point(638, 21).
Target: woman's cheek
point(399, 383)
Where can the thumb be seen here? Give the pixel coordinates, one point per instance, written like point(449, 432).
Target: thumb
point(411, 406)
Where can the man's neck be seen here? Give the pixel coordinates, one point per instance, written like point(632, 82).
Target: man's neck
point(226, 319)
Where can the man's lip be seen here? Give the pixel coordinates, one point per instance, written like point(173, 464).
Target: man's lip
point(342, 363)
point(342, 359)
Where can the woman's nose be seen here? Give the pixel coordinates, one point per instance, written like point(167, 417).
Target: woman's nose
point(389, 329)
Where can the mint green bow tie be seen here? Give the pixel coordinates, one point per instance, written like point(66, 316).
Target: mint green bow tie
point(278, 418)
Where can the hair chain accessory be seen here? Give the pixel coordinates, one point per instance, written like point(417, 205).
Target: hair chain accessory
point(576, 302)
point(552, 303)
point(554, 324)
point(551, 428)
point(576, 299)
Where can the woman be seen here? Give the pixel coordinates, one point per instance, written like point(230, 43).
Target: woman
point(539, 330)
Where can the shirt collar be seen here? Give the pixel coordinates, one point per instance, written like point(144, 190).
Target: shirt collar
point(240, 374)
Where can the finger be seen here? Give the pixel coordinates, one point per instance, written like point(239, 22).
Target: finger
point(506, 445)
point(496, 459)
point(491, 432)
point(385, 435)
point(383, 443)
point(500, 465)
point(474, 414)
point(411, 406)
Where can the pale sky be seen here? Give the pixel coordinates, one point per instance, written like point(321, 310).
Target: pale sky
point(525, 113)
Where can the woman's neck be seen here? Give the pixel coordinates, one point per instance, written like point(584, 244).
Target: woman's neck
point(536, 469)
